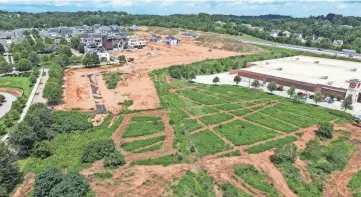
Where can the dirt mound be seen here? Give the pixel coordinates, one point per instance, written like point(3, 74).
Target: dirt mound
point(13, 91)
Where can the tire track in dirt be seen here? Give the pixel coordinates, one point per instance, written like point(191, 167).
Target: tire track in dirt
point(26, 187)
point(304, 172)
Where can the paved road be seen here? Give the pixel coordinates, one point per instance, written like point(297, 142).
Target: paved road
point(76, 53)
point(301, 48)
point(5, 107)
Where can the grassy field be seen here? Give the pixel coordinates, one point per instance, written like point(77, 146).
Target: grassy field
point(241, 112)
point(194, 184)
point(256, 179)
point(270, 122)
point(17, 82)
point(131, 146)
point(271, 144)
point(201, 98)
point(242, 133)
point(216, 118)
point(208, 143)
point(228, 106)
point(231, 154)
point(165, 161)
point(188, 126)
point(143, 128)
point(145, 118)
point(230, 190)
point(355, 185)
point(201, 110)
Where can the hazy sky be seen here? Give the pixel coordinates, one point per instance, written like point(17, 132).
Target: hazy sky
point(165, 7)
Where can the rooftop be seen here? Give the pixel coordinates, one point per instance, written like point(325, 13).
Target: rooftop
point(336, 73)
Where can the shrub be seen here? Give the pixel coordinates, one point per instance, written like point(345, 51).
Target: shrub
point(114, 159)
point(66, 121)
point(97, 150)
point(325, 130)
point(73, 184)
point(313, 150)
point(45, 181)
point(42, 150)
point(285, 153)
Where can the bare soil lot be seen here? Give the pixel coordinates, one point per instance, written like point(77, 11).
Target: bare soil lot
point(136, 85)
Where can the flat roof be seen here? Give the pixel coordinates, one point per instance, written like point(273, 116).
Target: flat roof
point(305, 69)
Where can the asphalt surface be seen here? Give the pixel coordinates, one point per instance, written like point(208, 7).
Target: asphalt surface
point(302, 48)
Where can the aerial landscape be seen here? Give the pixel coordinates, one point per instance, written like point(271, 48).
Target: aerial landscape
point(177, 98)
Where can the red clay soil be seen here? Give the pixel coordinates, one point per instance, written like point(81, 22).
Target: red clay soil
point(13, 91)
point(304, 172)
point(309, 134)
point(26, 187)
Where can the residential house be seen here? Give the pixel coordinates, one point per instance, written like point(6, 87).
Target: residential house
point(134, 28)
point(189, 34)
point(170, 40)
point(114, 28)
point(44, 33)
point(338, 42)
point(298, 36)
point(137, 43)
point(155, 38)
point(220, 23)
point(286, 33)
point(274, 33)
point(65, 31)
point(103, 30)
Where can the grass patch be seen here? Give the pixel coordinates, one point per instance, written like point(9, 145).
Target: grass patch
point(270, 122)
point(231, 154)
point(270, 144)
point(355, 185)
point(103, 176)
point(131, 146)
point(201, 110)
point(300, 134)
point(165, 161)
point(143, 128)
point(208, 143)
point(194, 184)
point(201, 98)
point(241, 112)
point(228, 106)
point(188, 126)
point(230, 190)
point(16, 82)
point(111, 79)
point(150, 148)
point(243, 133)
point(145, 118)
point(216, 118)
point(256, 108)
point(256, 179)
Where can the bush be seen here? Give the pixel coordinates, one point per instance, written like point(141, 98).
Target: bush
point(73, 184)
point(285, 153)
point(45, 181)
point(67, 121)
point(97, 150)
point(313, 150)
point(42, 150)
point(114, 159)
point(325, 130)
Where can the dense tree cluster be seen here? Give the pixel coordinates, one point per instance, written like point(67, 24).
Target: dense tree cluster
point(53, 90)
point(9, 171)
point(67, 121)
point(13, 115)
point(91, 59)
point(52, 183)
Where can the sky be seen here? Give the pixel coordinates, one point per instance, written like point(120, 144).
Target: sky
point(300, 8)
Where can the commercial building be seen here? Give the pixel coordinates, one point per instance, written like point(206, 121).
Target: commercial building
point(328, 76)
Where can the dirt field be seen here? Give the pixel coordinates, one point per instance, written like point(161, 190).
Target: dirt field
point(138, 86)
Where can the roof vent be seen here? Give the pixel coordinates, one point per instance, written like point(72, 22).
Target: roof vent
point(279, 69)
point(324, 77)
point(316, 62)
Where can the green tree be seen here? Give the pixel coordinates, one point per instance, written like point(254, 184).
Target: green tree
point(318, 97)
point(53, 92)
point(63, 49)
point(285, 153)
point(48, 41)
point(237, 79)
point(34, 58)
point(39, 117)
point(121, 59)
point(42, 150)
point(9, 171)
point(91, 59)
point(256, 84)
point(2, 49)
point(291, 91)
point(5, 67)
point(114, 159)
point(81, 48)
point(45, 181)
point(63, 41)
point(272, 86)
point(325, 130)
point(215, 80)
point(347, 103)
point(24, 65)
point(74, 42)
point(22, 138)
point(63, 60)
point(73, 184)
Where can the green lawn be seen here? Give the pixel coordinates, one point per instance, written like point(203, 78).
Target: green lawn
point(270, 144)
point(145, 118)
point(201, 110)
point(243, 133)
point(17, 82)
point(165, 161)
point(231, 154)
point(143, 128)
point(355, 185)
point(216, 118)
point(194, 184)
point(187, 126)
point(256, 179)
point(208, 143)
point(200, 97)
point(241, 112)
point(228, 106)
point(270, 122)
point(131, 146)
point(250, 38)
point(150, 148)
